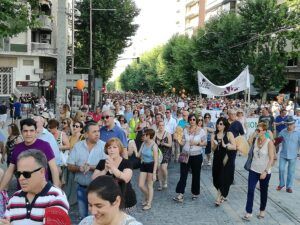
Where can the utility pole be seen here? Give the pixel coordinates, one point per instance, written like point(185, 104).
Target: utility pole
point(91, 83)
point(73, 38)
point(61, 54)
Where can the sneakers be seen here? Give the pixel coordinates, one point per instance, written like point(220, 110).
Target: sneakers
point(178, 198)
point(279, 188)
point(289, 190)
point(209, 163)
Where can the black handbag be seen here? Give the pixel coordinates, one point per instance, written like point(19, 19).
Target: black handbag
point(248, 163)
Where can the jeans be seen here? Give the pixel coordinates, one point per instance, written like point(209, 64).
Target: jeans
point(194, 163)
point(290, 173)
point(82, 201)
point(264, 184)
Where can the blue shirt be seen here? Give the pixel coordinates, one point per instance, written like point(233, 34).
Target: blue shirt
point(48, 137)
point(17, 106)
point(116, 132)
point(128, 116)
point(182, 123)
point(281, 126)
point(147, 153)
point(290, 144)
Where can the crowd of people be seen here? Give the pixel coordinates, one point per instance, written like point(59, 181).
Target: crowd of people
point(88, 157)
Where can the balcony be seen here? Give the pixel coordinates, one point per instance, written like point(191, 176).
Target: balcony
point(42, 48)
point(190, 3)
point(45, 23)
point(192, 12)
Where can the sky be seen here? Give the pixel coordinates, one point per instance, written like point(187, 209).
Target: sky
point(157, 23)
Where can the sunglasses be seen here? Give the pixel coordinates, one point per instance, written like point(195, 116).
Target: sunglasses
point(106, 117)
point(77, 126)
point(258, 130)
point(26, 174)
point(221, 124)
point(122, 120)
point(64, 123)
point(193, 119)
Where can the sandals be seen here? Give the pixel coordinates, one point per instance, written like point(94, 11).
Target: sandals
point(178, 198)
point(247, 217)
point(194, 197)
point(144, 203)
point(259, 216)
point(147, 207)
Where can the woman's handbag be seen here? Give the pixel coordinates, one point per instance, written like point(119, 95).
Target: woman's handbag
point(184, 157)
point(248, 163)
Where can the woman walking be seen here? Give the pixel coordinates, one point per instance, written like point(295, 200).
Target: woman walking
point(263, 157)
point(209, 127)
point(149, 158)
point(194, 142)
point(14, 137)
point(164, 141)
point(120, 169)
point(224, 147)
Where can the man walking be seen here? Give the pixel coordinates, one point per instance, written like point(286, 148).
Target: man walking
point(110, 130)
point(83, 160)
point(29, 134)
point(288, 154)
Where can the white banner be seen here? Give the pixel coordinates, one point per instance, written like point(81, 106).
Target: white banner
point(241, 83)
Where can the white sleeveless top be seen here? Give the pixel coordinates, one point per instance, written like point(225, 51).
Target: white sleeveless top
point(260, 157)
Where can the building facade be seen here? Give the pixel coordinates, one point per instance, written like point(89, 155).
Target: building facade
point(28, 61)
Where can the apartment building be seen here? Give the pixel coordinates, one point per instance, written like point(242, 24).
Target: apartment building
point(194, 15)
point(28, 61)
point(215, 7)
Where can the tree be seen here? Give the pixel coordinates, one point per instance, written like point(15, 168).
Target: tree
point(147, 75)
point(215, 52)
point(266, 23)
point(16, 16)
point(180, 72)
point(111, 33)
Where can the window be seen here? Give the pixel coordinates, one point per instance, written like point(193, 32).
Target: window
point(28, 62)
point(292, 62)
point(27, 77)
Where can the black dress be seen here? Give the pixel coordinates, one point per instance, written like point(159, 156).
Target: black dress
point(223, 175)
point(127, 190)
point(166, 151)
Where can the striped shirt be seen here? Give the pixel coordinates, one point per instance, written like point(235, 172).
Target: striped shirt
point(21, 211)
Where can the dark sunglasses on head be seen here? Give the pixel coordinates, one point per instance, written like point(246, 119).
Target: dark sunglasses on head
point(106, 117)
point(77, 126)
point(26, 174)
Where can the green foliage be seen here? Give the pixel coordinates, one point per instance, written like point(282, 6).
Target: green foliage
point(180, 73)
point(146, 75)
point(111, 33)
point(268, 29)
point(16, 17)
point(215, 53)
point(257, 37)
point(111, 86)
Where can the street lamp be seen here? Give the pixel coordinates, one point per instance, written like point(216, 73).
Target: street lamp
point(91, 73)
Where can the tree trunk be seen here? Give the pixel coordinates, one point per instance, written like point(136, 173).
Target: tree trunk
point(264, 97)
